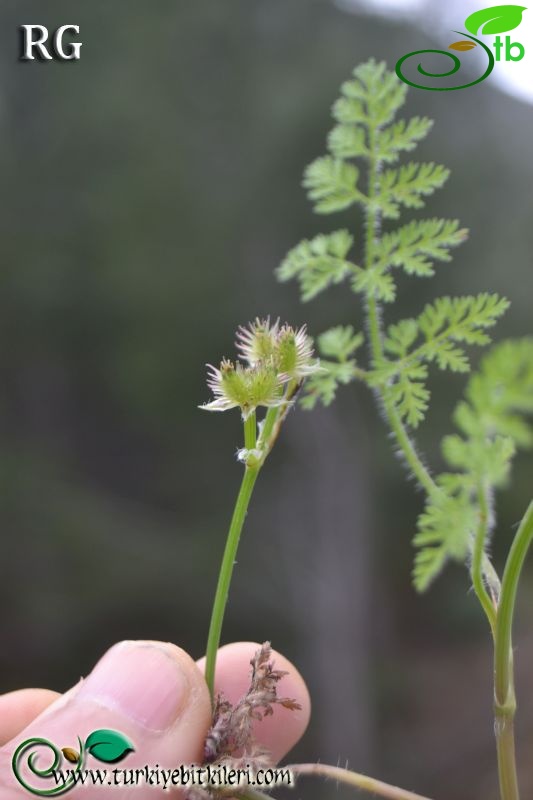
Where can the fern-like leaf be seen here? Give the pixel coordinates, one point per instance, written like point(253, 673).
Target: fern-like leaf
point(322, 386)
point(445, 530)
point(488, 460)
point(347, 141)
point(443, 326)
point(403, 136)
point(332, 184)
point(500, 395)
point(339, 343)
point(458, 319)
point(318, 263)
point(374, 95)
point(491, 418)
point(407, 186)
point(415, 246)
point(493, 424)
point(410, 394)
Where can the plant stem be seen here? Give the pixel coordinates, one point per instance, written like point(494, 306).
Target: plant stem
point(274, 420)
point(250, 431)
point(226, 571)
point(362, 782)
point(408, 448)
point(478, 552)
point(504, 730)
point(396, 425)
point(504, 695)
point(272, 424)
point(372, 226)
point(511, 576)
point(268, 426)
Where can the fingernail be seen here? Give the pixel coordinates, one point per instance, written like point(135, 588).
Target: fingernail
point(143, 681)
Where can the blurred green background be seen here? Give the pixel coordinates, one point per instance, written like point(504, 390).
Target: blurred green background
point(148, 192)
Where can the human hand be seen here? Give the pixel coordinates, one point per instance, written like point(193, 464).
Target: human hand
point(155, 695)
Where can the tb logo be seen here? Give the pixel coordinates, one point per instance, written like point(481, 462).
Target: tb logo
point(36, 44)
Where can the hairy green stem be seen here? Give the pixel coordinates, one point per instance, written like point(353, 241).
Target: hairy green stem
point(477, 570)
point(226, 571)
point(396, 425)
point(269, 433)
point(372, 227)
point(373, 313)
point(408, 448)
point(504, 693)
point(362, 782)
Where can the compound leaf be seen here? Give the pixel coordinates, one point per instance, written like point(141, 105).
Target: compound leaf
point(492, 425)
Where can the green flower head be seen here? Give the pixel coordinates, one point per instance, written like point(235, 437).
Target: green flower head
point(295, 353)
point(244, 387)
point(258, 341)
point(290, 349)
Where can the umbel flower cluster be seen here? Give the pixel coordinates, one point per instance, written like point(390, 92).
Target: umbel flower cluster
point(275, 359)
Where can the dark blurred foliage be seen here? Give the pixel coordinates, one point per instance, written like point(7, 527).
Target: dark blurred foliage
point(148, 192)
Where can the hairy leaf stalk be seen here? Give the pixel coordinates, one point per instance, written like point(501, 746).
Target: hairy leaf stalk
point(356, 780)
point(396, 425)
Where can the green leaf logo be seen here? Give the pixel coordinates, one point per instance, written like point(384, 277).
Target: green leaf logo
point(108, 746)
point(496, 19)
